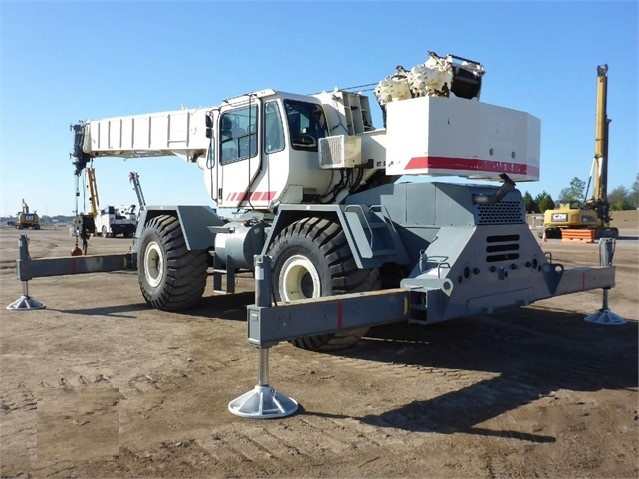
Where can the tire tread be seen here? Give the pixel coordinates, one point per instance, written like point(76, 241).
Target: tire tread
point(186, 270)
point(345, 276)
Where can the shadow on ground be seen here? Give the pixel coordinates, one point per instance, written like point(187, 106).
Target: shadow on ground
point(226, 307)
point(535, 353)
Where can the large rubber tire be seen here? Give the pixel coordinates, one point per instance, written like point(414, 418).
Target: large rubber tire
point(311, 258)
point(171, 277)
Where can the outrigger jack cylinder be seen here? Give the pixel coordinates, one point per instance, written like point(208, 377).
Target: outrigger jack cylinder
point(25, 301)
point(604, 315)
point(263, 401)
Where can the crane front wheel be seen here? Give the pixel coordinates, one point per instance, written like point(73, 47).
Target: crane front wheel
point(171, 277)
point(311, 258)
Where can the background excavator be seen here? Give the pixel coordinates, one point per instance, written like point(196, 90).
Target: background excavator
point(595, 214)
point(27, 219)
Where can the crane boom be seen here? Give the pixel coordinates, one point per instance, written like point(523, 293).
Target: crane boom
point(601, 136)
point(599, 201)
point(178, 133)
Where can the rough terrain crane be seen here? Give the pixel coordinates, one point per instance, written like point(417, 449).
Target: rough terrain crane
point(595, 214)
point(316, 183)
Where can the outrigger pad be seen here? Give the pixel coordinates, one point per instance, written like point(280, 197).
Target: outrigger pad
point(24, 303)
point(263, 402)
point(605, 316)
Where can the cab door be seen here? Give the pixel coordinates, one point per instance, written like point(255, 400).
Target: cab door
point(238, 154)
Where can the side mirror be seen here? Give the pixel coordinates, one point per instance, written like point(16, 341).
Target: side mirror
point(209, 126)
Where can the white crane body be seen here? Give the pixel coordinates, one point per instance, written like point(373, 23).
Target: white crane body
point(425, 136)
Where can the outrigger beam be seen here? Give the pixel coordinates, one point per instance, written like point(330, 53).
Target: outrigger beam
point(27, 269)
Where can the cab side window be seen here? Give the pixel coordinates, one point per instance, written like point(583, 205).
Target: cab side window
point(306, 124)
point(273, 130)
point(238, 135)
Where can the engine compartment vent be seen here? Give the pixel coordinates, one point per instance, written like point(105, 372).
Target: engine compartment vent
point(502, 248)
point(501, 213)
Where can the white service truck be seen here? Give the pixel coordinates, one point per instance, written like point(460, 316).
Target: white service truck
point(112, 221)
point(109, 221)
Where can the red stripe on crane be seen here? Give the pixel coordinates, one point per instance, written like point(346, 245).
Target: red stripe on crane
point(255, 196)
point(447, 163)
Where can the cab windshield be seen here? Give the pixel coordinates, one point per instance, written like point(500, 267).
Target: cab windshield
point(306, 124)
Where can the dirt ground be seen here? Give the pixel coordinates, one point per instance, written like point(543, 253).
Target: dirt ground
point(98, 385)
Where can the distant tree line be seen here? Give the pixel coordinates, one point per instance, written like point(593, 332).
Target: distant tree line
point(620, 198)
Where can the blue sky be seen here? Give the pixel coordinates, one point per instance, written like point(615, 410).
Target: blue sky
point(67, 61)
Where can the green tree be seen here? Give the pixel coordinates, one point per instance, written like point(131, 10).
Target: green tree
point(544, 202)
point(575, 192)
point(563, 195)
point(634, 193)
point(530, 203)
point(620, 199)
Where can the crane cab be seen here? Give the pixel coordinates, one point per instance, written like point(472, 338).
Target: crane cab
point(265, 148)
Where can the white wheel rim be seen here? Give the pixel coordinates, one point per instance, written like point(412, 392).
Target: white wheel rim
point(153, 264)
point(297, 276)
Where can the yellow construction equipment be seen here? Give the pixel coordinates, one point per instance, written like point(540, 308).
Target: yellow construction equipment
point(27, 219)
point(94, 199)
point(595, 214)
